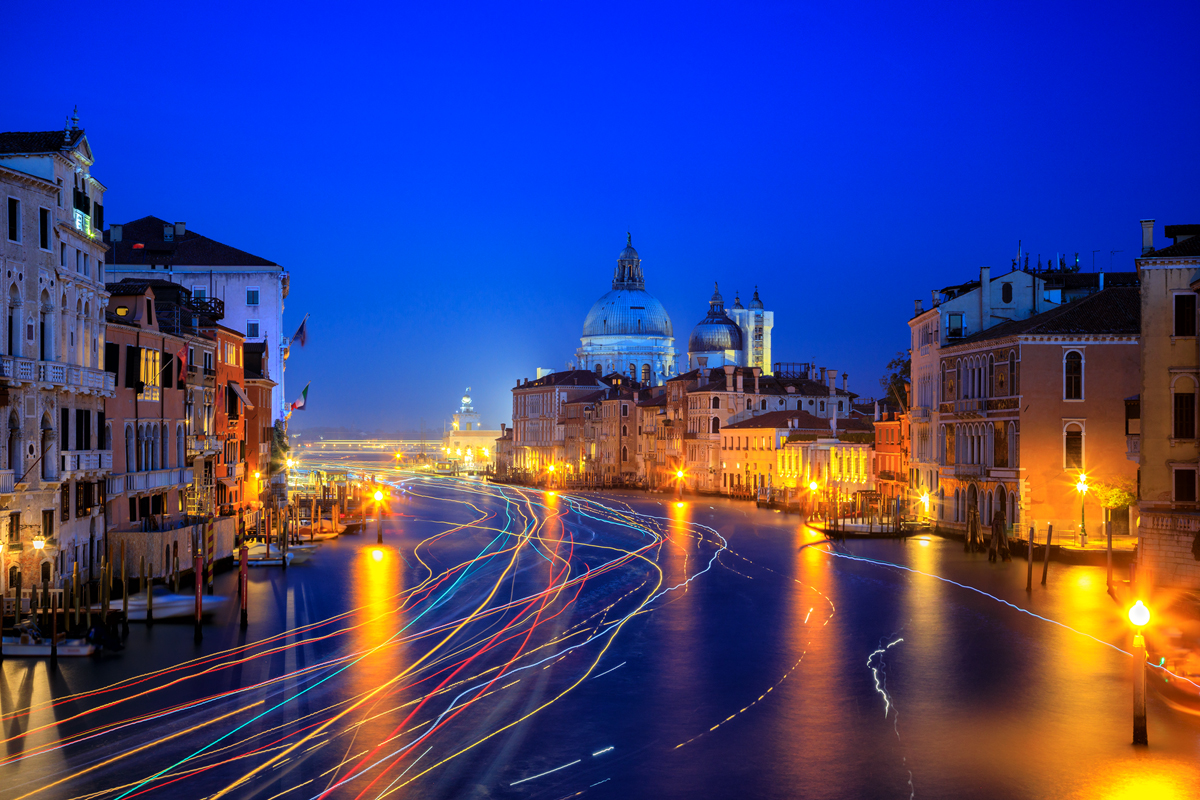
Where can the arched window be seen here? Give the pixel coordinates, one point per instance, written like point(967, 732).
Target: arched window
point(180, 448)
point(716, 402)
point(633, 372)
point(599, 370)
point(991, 384)
point(624, 453)
point(1073, 446)
point(1006, 293)
point(1073, 375)
point(624, 430)
point(49, 458)
point(646, 374)
point(716, 425)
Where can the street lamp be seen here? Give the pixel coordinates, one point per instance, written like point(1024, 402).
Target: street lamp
point(1139, 615)
point(679, 484)
point(1082, 488)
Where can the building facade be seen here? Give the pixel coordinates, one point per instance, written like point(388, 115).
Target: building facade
point(52, 380)
point(1031, 406)
point(251, 289)
point(1166, 444)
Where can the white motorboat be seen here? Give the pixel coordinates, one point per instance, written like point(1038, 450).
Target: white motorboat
point(269, 555)
point(30, 642)
point(168, 604)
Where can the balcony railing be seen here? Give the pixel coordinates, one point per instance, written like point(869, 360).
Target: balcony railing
point(1133, 447)
point(969, 470)
point(154, 479)
point(203, 444)
point(86, 460)
point(920, 414)
point(6, 481)
point(19, 369)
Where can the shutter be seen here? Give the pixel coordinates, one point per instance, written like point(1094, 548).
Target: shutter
point(133, 363)
point(112, 357)
point(79, 429)
point(87, 429)
point(98, 218)
point(101, 431)
point(64, 429)
point(168, 368)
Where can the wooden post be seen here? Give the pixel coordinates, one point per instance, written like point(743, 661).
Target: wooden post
point(124, 593)
point(141, 574)
point(45, 604)
point(1139, 689)
point(54, 633)
point(75, 591)
point(1029, 572)
point(1108, 535)
point(243, 581)
point(17, 617)
point(150, 598)
point(1046, 560)
point(198, 571)
point(175, 573)
point(87, 602)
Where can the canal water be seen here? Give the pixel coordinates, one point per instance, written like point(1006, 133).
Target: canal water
point(767, 663)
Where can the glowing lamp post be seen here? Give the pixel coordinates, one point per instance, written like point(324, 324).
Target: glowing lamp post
point(379, 511)
point(1082, 488)
point(679, 484)
point(1139, 616)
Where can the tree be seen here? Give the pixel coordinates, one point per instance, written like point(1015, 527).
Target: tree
point(899, 369)
point(1111, 495)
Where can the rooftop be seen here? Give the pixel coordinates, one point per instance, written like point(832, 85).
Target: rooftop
point(190, 249)
point(38, 142)
point(1116, 311)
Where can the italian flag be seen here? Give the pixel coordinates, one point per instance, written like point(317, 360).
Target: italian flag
point(299, 405)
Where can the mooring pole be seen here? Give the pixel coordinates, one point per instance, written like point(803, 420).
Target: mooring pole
point(1029, 572)
point(1046, 560)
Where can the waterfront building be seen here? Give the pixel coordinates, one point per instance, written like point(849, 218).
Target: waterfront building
point(229, 422)
point(891, 454)
point(957, 312)
point(839, 463)
point(55, 456)
point(145, 418)
point(628, 330)
point(539, 430)
point(251, 289)
point(260, 431)
point(1029, 406)
point(467, 445)
point(1162, 421)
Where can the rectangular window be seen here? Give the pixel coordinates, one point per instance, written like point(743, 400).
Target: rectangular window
point(151, 374)
point(112, 357)
point(62, 255)
point(79, 261)
point(954, 328)
point(252, 296)
point(1185, 415)
point(44, 228)
point(64, 428)
point(132, 361)
point(1185, 314)
point(14, 219)
point(87, 268)
point(252, 329)
point(1185, 486)
point(199, 292)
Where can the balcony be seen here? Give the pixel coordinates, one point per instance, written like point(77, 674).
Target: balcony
point(83, 462)
point(1133, 447)
point(203, 445)
point(89, 380)
point(20, 370)
point(154, 479)
point(6, 481)
point(969, 470)
point(920, 414)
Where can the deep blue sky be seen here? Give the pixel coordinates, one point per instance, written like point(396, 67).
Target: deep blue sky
point(450, 184)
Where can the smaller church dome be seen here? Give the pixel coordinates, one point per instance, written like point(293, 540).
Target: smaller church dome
point(716, 331)
point(755, 302)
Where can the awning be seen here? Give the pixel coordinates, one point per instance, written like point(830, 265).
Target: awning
point(230, 482)
point(241, 394)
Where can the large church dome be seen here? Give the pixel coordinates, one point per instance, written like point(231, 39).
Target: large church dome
point(716, 331)
point(628, 310)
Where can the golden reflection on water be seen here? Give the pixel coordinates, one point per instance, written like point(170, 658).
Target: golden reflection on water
point(378, 580)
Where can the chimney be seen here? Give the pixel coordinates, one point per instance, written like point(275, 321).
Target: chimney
point(168, 233)
point(917, 308)
point(877, 411)
point(985, 298)
point(180, 229)
point(756, 370)
point(845, 377)
point(740, 381)
point(1147, 236)
point(729, 377)
point(832, 382)
point(115, 232)
point(822, 374)
point(933, 298)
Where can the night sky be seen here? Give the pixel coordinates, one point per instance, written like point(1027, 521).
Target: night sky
point(449, 185)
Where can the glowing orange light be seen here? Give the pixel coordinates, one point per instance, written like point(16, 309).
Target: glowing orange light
point(378, 496)
point(812, 487)
point(679, 474)
point(377, 554)
point(679, 505)
point(1139, 615)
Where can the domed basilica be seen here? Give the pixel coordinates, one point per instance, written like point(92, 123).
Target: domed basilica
point(628, 331)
